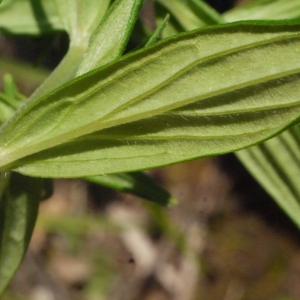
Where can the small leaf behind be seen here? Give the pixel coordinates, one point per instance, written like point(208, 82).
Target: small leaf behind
point(28, 17)
point(18, 214)
point(192, 14)
point(275, 164)
point(158, 32)
point(264, 10)
point(136, 183)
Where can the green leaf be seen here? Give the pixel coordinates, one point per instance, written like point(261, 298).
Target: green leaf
point(18, 214)
point(275, 164)
point(6, 111)
point(79, 19)
point(173, 27)
point(158, 32)
point(264, 9)
point(116, 35)
point(192, 14)
point(111, 36)
point(14, 97)
point(23, 72)
point(28, 17)
point(203, 93)
point(106, 42)
point(10, 98)
point(136, 183)
point(65, 71)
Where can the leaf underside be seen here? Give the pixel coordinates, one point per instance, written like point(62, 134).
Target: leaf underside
point(203, 93)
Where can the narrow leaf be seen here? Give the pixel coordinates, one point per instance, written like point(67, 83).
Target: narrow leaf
point(10, 98)
point(18, 210)
point(192, 14)
point(173, 27)
point(275, 164)
point(158, 32)
point(205, 12)
point(188, 98)
point(136, 183)
point(14, 97)
point(111, 36)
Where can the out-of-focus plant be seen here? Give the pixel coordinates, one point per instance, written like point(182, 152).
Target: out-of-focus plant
point(106, 116)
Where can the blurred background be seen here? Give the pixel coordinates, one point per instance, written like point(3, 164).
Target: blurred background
point(225, 240)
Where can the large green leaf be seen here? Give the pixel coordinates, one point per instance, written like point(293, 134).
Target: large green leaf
point(108, 42)
point(18, 209)
point(203, 93)
point(28, 17)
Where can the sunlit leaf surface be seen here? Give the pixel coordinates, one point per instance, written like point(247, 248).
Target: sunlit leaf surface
point(184, 98)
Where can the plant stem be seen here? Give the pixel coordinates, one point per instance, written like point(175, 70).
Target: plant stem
point(64, 72)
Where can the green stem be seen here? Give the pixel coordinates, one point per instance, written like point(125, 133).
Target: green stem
point(4, 180)
point(64, 72)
